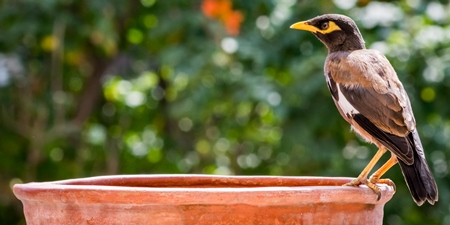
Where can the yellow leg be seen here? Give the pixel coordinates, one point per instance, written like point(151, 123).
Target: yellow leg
point(362, 178)
point(375, 178)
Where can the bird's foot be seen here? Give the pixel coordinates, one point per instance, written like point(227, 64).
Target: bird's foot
point(389, 182)
point(369, 183)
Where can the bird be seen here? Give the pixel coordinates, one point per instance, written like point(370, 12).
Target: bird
point(370, 97)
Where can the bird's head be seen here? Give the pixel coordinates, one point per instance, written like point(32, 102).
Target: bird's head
point(337, 32)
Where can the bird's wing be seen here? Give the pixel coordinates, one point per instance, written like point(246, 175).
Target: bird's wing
point(366, 80)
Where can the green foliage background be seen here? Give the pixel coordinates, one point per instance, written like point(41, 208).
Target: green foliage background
point(130, 87)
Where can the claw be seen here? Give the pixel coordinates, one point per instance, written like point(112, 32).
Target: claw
point(368, 183)
point(384, 181)
point(375, 189)
point(356, 182)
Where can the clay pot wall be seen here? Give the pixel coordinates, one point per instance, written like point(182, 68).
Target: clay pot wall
point(200, 199)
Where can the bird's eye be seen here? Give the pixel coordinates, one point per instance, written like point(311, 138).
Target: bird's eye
point(324, 26)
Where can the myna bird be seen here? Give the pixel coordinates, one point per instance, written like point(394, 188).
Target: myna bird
point(369, 95)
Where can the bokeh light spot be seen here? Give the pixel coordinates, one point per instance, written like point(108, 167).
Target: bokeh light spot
point(150, 21)
point(135, 36)
point(428, 94)
point(229, 45)
point(263, 22)
point(135, 98)
point(185, 124)
point(202, 147)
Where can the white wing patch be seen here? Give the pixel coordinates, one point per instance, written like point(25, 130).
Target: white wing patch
point(345, 105)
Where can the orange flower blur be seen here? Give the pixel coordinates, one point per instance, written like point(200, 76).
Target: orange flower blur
point(222, 10)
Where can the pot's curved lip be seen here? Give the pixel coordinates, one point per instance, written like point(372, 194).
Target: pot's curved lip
point(201, 189)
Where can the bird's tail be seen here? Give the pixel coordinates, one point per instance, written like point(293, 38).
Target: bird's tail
point(418, 176)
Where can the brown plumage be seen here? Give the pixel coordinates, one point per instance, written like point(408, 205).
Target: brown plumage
point(369, 96)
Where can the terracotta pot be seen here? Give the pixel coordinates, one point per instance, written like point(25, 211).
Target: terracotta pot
point(200, 199)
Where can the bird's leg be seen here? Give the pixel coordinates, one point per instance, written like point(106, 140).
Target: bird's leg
point(375, 178)
point(362, 178)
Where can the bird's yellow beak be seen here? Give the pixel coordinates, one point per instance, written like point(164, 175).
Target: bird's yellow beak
point(304, 26)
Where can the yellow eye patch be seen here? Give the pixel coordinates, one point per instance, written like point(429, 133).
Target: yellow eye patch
point(304, 25)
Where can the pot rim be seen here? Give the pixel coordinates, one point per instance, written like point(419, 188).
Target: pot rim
point(190, 189)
